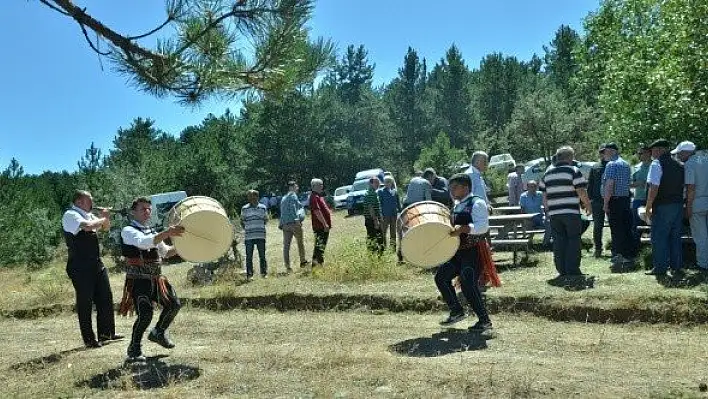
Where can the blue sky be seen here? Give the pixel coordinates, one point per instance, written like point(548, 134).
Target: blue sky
point(58, 100)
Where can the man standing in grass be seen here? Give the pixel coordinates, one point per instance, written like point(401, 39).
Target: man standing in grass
point(665, 210)
point(390, 207)
point(292, 214)
point(254, 217)
point(563, 188)
point(516, 185)
point(696, 180)
point(617, 206)
point(86, 270)
point(372, 218)
point(471, 222)
point(321, 221)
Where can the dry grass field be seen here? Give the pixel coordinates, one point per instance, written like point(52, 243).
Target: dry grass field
point(378, 335)
point(358, 354)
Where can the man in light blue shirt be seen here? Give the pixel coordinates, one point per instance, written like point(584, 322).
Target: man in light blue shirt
point(696, 181)
point(291, 216)
point(478, 165)
point(531, 202)
point(418, 190)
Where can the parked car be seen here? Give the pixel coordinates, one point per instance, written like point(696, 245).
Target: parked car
point(340, 196)
point(355, 198)
point(535, 169)
point(503, 162)
point(365, 174)
point(304, 199)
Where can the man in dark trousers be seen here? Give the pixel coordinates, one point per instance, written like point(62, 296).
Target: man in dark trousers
point(86, 270)
point(596, 201)
point(144, 249)
point(665, 210)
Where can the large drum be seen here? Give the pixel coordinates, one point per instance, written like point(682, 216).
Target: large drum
point(208, 233)
point(425, 234)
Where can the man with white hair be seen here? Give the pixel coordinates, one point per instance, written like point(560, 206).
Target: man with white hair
point(478, 165)
point(321, 220)
point(696, 181)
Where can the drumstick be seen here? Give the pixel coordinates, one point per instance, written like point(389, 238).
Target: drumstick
point(435, 245)
point(199, 236)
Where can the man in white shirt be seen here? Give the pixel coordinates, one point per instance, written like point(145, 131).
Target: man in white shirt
point(471, 222)
point(86, 270)
point(144, 249)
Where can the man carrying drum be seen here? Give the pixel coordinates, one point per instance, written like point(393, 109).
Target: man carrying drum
point(143, 249)
point(470, 223)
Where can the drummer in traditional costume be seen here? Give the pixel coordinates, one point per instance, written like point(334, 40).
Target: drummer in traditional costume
point(143, 249)
point(472, 261)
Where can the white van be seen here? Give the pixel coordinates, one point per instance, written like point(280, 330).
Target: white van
point(161, 204)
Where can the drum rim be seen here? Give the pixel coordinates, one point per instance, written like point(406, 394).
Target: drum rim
point(403, 211)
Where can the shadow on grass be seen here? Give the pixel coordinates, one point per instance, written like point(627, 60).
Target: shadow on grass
point(152, 374)
point(573, 283)
point(442, 343)
point(39, 363)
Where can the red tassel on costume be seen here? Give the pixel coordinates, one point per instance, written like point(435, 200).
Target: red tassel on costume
point(488, 273)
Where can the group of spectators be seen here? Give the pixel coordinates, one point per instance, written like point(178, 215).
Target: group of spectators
point(667, 185)
point(254, 216)
point(670, 187)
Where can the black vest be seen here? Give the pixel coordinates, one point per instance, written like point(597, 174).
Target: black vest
point(462, 215)
point(150, 257)
point(83, 249)
point(671, 183)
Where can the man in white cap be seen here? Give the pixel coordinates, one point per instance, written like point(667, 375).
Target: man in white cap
point(696, 181)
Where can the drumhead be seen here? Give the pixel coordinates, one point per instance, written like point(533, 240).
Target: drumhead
point(429, 244)
point(208, 232)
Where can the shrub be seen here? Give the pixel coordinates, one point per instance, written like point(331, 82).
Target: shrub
point(353, 262)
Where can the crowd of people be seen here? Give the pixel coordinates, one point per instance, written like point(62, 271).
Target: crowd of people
point(664, 189)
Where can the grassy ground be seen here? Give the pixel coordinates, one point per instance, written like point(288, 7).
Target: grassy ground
point(350, 270)
point(356, 354)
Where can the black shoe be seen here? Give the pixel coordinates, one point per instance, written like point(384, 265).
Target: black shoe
point(304, 263)
point(678, 273)
point(135, 355)
point(481, 326)
point(93, 344)
point(453, 318)
point(654, 272)
point(113, 337)
point(161, 339)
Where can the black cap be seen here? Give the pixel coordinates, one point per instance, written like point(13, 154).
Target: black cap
point(661, 143)
point(611, 146)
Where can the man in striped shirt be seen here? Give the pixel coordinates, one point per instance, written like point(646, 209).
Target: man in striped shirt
point(564, 188)
point(253, 220)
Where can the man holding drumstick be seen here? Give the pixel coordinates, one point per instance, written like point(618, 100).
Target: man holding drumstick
point(143, 249)
point(470, 222)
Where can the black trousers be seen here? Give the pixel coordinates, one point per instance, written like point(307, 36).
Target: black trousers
point(321, 238)
point(620, 218)
point(92, 287)
point(598, 223)
point(145, 292)
point(463, 264)
point(375, 240)
point(567, 229)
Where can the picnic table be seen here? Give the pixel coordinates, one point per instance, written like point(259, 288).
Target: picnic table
point(513, 231)
point(505, 210)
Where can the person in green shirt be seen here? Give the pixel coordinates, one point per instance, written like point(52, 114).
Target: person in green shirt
point(372, 218)
point(639, 184)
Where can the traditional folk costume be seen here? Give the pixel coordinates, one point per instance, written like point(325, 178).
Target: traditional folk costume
point(472, 263)
point(145, 285)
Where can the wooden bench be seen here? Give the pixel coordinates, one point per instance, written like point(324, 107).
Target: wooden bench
point(523, 241)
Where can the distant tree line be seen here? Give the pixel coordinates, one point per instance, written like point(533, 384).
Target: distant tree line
point(636, 73)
